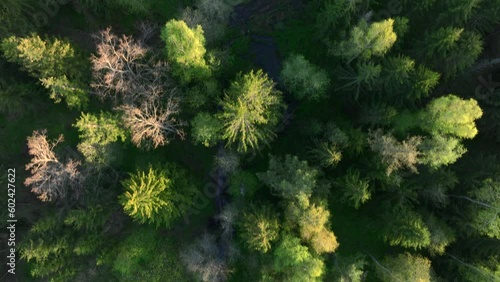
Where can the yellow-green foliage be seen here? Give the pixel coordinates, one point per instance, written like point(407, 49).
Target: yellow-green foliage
point(185, 49)
point(260, 227)
point(250, 111)
point(158, 195)
point(54, 62)
point(452, 115)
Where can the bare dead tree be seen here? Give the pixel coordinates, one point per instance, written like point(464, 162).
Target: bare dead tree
point(51, 179)
point(126, 71)
point(154, 123)
point(147, 30)
point(204, 258)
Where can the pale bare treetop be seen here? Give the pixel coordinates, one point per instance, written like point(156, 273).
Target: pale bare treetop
point(51, 179)
point(126, 71)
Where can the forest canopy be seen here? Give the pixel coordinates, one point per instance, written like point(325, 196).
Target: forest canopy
point(250, 140)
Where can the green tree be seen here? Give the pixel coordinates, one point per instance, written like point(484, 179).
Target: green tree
point(355, 190)
point(459, 12)
point(158, 196)
point(396, 72)
point(137, 250)
point(440, 42)
point(294, 262)
point(335, 15)
point(441, 150)
point(328, 155)
point(441, 234)
point(349, 268)
point(406, 228)
point(312, 220)
point(484, 209)
point(289, 177)
point(303, 79)
point(367, 40)
point(451, 115)
point(53, 61)
point(101, 129)
point(206, 129)
point(365, 76)
point(450, 49)
point(404, 267)
point(251, 109)
point(185, 49)
point(423, 81)
point(98, 134)
point(260, 227)
point(464, 55)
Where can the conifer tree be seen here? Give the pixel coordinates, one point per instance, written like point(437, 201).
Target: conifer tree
point(251, 109)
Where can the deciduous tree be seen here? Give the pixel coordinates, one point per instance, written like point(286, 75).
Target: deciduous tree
point(185, 50)
point(154, 123)
point(204, 259)
point(441, 150)
point(451, 115)
point(206, 129)
point(394, 154)
point(51, 179)
point(294, 262)
point(125, 70)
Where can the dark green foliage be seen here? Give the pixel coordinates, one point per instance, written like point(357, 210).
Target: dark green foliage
point(303, 79)
point(243, 184)
point(355, 190)
point(407, 229)
point(393, 163)
point(135, 252)
point(289, 177)
point(349, 268)
point(206, 129)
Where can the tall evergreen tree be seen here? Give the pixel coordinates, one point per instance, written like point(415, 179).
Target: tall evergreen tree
point(251, 109)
